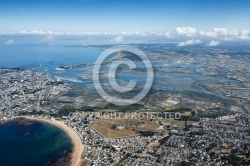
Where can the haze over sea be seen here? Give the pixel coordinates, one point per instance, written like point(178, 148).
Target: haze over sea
point(45, 57)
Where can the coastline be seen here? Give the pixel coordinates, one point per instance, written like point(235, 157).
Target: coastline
point(78, 146)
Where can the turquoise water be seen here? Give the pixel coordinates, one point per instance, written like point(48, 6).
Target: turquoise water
point(37, 144)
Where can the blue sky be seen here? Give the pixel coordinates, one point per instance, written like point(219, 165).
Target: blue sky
point(230, 17)
point(122, 15)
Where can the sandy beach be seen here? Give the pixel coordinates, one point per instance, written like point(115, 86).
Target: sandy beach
point(78, 146)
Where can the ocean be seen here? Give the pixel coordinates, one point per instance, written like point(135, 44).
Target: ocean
point(45, 57)
point(36, 144)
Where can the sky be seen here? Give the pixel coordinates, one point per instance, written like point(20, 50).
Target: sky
point(215, 19)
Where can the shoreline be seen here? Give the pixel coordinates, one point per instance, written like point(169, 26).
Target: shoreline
point(78, 146)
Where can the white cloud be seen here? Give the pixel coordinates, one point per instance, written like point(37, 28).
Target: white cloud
point(214, 43)
point(207, 34)
point(234, 32)
point(48, 38)
point(186, 31)
point(226, 34)
point(221, 33)
point(23, 32)
point(118, 39)
point(41, 32)
point(179, 32)
point(9, 42)
point(38, 32)
point(168, 34)
point(189, 42)
point(245, 34)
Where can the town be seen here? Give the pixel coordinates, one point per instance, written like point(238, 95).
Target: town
point(175, 136)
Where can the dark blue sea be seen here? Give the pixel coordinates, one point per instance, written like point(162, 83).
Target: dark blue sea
point(37, 144)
